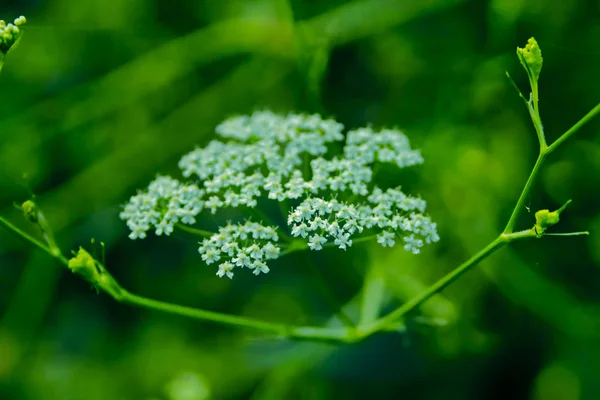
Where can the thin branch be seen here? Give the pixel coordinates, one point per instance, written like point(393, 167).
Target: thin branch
point(432, 290)
point(584, 233)
point(194, 231)
point(122, 295)
point(586, 118)
point(24, 235)
point(510, 226)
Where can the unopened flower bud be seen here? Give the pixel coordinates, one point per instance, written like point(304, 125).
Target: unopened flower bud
point(531, 58)
point(30, 211)
point(84, 264)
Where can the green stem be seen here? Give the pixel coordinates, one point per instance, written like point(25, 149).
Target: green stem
point(194, 231)
point(113, 289)
point(514, 85)
point(287, 331)
point(544, 151)
point(510, 226)
point(506, 237)
point(586, 118)
point(584, 233)
point(200, 314)
point(535, 116)
point(54, 252)
point(298, 244)
point(354, 241)
point(392, 317)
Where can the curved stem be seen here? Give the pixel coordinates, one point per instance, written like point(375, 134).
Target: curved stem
point(287, 331)
point(113, 289)
point(200, 314)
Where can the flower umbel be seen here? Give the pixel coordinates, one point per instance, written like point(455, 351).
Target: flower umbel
point(328, 200)
point(241, 246)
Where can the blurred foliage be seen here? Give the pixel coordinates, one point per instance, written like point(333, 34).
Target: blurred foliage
point(102, 94)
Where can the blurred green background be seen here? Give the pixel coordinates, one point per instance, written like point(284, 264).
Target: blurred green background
point(102, 95)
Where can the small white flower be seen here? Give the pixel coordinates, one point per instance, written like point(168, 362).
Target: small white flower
point(211, 255)
point(242, 259)
point(254, 251)
point(343, 241)
point(213, 203)
point(271, 251)
point(259, 267)
point(229, 248)
point(300, 230)
point(225, 269)
point(316, 242)
point(386, 238)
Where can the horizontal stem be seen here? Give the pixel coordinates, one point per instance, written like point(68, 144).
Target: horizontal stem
point(194, 231)
point(354, 241)
point(201, 314)
point(341, 334)
point(584, 233)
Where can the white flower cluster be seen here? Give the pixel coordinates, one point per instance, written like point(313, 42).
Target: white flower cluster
point(165, 203)
point(10, 33)
point(391, 212)
point(285, 158)
point(266, 154)
point(386, 146)
point(241, 246)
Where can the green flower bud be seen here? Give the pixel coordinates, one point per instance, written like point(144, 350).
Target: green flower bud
point(30, 211)
point(20, 21)
point(10, 34)
point(85, 265)
point(531, 58)
point(546, 218)
point(94, 272)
